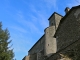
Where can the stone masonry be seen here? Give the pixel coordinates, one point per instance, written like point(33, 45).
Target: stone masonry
point(62, 36)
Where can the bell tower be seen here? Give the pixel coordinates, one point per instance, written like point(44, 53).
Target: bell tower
point(50, 42)
point(55, 19)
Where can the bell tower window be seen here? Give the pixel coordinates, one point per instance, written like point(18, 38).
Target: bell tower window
point(52, 24)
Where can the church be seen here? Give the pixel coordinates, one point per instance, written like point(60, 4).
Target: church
point(60, 38)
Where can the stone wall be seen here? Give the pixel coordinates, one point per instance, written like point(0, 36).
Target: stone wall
point(68, 37)
point(57, 20)
point(70, 50)
point(54, 20)
point(64, 46)
point(30, 57)
point(38, 47)
point(33, 57)
point(40, 56)
point(50, 41)
point(68, 30)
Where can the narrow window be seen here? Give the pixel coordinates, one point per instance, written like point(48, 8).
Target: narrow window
point(48, 44)
point(52, 24)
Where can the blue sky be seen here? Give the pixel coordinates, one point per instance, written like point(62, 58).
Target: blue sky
point(27, 19)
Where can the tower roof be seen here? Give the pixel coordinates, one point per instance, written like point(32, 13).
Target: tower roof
point(53, 14)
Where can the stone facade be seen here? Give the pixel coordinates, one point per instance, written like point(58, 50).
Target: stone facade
point(67, 35)
point(50, 42)
point(61, 37)
point(38, 47)
point(68, 31)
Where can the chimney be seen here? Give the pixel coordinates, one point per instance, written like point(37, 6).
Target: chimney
point(67, 9)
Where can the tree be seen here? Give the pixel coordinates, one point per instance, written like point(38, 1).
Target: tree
point(5, 52)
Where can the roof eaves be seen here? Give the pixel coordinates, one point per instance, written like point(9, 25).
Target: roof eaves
point(53, 14)
point(36, 42)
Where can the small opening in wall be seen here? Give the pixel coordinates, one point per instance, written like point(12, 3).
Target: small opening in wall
point(48, 44)
point(52, 24)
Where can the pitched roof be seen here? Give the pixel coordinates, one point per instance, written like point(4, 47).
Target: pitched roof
point(53, 14)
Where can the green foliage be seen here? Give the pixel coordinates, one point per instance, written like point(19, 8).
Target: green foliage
point(5, 52)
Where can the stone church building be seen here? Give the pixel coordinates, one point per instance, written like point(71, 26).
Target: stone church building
point(61, 37)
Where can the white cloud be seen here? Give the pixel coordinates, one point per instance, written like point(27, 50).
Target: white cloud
point(41, 16)
point(38, 18)
point(51, 3)
point(33, 28)
point(74, 3)
point(20, 29)
point(21, 43)
point(28, 24)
